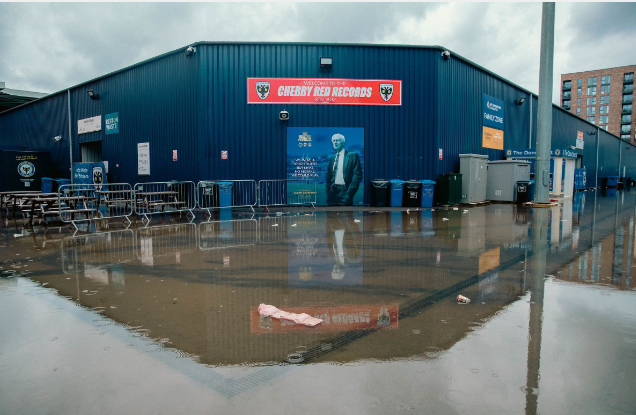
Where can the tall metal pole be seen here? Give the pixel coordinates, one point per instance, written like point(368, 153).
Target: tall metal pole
point(544, 112)
point(530, 135)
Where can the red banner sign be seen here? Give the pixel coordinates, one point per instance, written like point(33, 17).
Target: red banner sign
point(324, 91)
point(339, 318)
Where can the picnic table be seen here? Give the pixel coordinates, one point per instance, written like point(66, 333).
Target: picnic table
point(110, 198)
point(158, 199)
point(49, 204)
point(16, 198)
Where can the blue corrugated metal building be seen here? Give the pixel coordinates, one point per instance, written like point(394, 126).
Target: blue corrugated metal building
point(196, 104)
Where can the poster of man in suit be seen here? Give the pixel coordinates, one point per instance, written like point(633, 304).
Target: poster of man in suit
point(330, 157)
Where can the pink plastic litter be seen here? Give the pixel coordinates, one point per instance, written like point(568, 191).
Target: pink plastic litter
point(271, 311)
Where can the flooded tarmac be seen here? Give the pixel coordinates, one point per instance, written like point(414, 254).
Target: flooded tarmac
point(163, 319)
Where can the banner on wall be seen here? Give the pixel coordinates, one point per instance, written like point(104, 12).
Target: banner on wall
point(579, 140)
point(492, 122)
point(324, 91)
point(333, 157)
point(143, 159)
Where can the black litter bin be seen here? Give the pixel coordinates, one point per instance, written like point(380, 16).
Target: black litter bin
point(379, 192)
point(412, 193)
point(523, 191)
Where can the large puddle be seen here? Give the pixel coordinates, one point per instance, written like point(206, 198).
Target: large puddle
point(163, 318)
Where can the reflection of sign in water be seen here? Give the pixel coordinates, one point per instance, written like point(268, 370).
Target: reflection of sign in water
point(325, 250)
point(489, 260)
point(340, 318)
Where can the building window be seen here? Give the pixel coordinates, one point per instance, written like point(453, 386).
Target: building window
point(625, 137)
point(578, 102)
point(603, 119)
point(627, 77)
point(603, 109)
point(603, 127)
point(590, 119)
point(578, 92)
point(604, 100)
point(627, 107)
point(605, 80)
point(625, 128)
point(567, 84)
point(628, 88)
point(626, 118)
point(566, 104)
point(578, 112)
point(627, 98)
point(591, 110)
point(605, 89)
point(591, 82)
point(591, 101)
point(578, 83)
point(591, 91)
point(566, 94)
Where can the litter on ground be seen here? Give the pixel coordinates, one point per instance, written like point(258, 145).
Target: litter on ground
point(271, 311)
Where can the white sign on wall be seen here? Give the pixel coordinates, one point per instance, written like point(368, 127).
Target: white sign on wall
point(89, 125)
point(143, 159)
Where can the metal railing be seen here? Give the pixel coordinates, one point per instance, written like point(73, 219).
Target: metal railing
point(226, 194)
point(86, 202)
point(227, 234)
point(164, 197)
point(287, 192)
point(165, 241)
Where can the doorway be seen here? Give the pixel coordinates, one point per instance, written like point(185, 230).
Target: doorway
point(91, 152)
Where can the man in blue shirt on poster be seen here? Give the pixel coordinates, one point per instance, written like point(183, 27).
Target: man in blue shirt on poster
point(344, 174)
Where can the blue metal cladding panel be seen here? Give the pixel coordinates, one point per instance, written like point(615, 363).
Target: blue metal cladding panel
point(34, 126)
point(398, 140)
point(158, 103)
point(460, 117)
point(564, 132)
point(608, 154)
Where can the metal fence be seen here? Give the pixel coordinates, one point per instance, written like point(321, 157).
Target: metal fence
point(227, 234)
point(287, 192)
point(85, 202)
point(226, 193)
point(164, 197)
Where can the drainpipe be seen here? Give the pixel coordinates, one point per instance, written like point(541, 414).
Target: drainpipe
point(70, 133)
point(530, 136)
point(598, 142)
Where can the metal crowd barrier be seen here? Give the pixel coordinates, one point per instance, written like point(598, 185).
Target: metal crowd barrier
point(164, 197)
point(104, 248)
point(226, 194)
point(85, 202)
point(227, 234)
point(287, 192)
point(165, 241)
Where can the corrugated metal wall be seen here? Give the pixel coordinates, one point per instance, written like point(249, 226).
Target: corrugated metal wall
point(198, 106)
point(460, 115)
point(158, 103)
point(399, 141)
point(34, 126)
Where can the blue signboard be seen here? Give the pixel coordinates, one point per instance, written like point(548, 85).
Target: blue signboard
point(493, 112)
point(112, 123)
point(532, 153)
point(333, 157)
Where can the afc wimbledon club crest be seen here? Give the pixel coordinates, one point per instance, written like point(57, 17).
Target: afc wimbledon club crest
point(386, 91)
point(262, 89)
point(26, 169)
point(98, 177)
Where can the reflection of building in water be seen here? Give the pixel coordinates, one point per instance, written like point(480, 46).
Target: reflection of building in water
point(609, 261)
point(507, 224)
point(473, 232)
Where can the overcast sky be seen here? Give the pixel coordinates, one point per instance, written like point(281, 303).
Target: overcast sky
point(47, 47)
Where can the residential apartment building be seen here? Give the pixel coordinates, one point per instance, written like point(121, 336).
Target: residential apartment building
point(603, 97)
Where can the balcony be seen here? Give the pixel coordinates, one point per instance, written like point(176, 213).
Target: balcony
point(626, 122)
point(567, 87)
point(627, 99)
point(628, 81)
point(628, 89)
point(566, 96)
point(629, 111)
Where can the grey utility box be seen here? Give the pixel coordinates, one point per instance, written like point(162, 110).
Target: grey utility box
point(503, 176)
point(474, 170)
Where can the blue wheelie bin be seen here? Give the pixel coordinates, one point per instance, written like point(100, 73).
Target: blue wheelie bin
point(397, 191)
point(47, 185)
point(225, 193)
point(428, 186)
